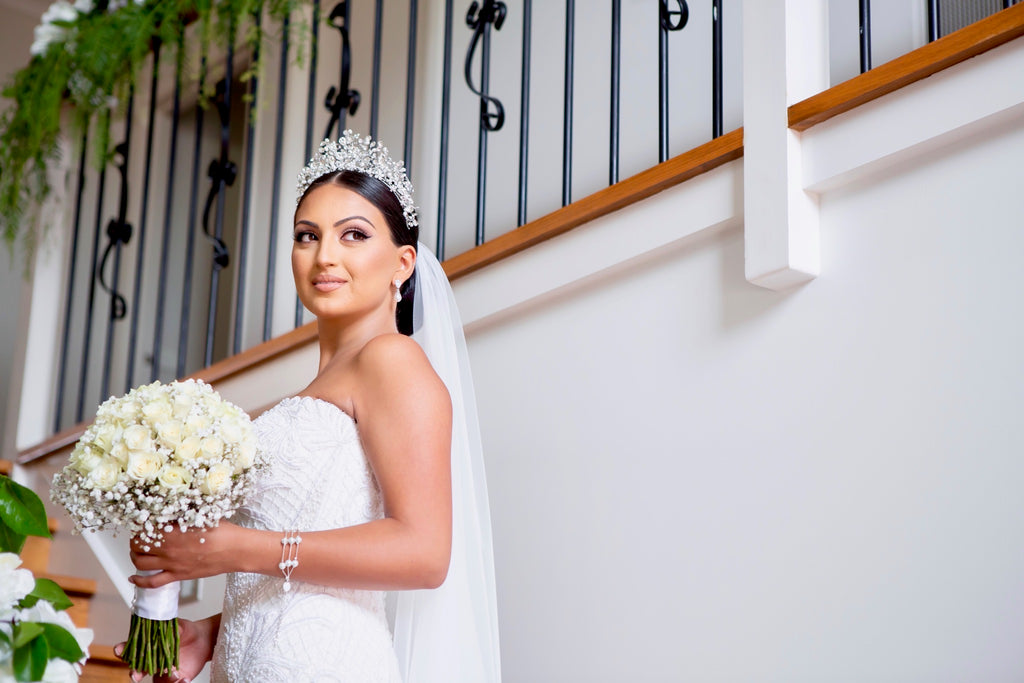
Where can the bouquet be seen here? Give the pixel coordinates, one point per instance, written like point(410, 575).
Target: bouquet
point(164, 455)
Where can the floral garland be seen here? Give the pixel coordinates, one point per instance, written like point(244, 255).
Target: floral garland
point(84, 60)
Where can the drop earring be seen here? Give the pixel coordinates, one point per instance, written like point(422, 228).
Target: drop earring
point(398, 292)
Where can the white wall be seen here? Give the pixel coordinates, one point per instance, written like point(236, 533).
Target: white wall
point(693, 478)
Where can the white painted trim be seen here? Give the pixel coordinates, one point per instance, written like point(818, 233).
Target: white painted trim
point(915, 119)
point(711, 200)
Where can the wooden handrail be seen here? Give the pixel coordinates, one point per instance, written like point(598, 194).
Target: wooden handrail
point(628, 191)
point(959, 46)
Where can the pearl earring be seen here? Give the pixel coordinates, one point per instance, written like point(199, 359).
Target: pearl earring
point(398, 293)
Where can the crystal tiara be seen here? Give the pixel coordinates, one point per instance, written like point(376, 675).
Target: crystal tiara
point(354, 152)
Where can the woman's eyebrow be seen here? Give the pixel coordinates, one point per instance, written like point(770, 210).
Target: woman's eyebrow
point(350, 218)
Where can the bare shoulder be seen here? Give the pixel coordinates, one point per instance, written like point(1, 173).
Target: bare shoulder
point(393, 368)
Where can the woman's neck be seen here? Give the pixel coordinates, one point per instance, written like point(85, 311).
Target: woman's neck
point(342, 340)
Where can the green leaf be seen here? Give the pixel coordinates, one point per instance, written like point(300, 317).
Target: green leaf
point(61, 643)
point(30, 661)
point(10, 541)
point(21, 509)
point(24, 632)
point(5, 638)
point(46, 589)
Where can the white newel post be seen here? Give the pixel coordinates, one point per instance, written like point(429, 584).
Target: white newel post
point(785, 60)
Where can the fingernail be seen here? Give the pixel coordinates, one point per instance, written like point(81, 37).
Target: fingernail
point(118, 649)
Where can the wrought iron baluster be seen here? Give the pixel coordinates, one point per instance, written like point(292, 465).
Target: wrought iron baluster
point(446, 97)
point(717, 76)
point(481, 18)
point(378, 21)
point(341, 100)
point(613, 142)
point(410, 85)
point(570, 40)
point(865, 35)
point(934, 21)
point(165, 245)
point(186, 296)
point(310, 109)
point(243, 236)
point(143, 216)
point(66, 332)
point(222, 173)
point(275, 194)
point(90, 307)
point(119, 232)
point(668, 20)
point(524, 112)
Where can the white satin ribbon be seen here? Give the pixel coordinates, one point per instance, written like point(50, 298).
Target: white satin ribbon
point(156, 604)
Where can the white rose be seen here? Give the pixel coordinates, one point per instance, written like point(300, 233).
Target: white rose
point(170, 432)
point(188, 449)
point(181, 404)
point(158, 410)
point(60, 671)
point(231, 430)
point(218, 477)
point(138, 438)
point(83, 6)
point(106, 436)
point(197, 423)
point(105, 475)
point(127, 411)
point(245, 456)
point(174, 477)
point(85, 460)
point(212, 447)
point(120, 453)
point(14, 583)
point(144, 465)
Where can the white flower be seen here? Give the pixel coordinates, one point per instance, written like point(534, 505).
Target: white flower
point(14, 583)
point(182, 404)
point(197, 423)
point(174, 477)
point(245, 455)
point(188, 449)
point(59, 671)
point(59, 11)
point(83, 6)
point(212, 447)
point(105, 475)
point(138, 438)
point(44, 35)
point(170, 432)
point(106, 435)
point(85, 460)
point(43, 612)
point(144, 465)
point(232, 430)
point(218, 477)
point(157, 410)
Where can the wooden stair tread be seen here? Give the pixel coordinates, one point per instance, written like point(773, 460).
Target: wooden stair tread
point(104, 654)
point(6, 466)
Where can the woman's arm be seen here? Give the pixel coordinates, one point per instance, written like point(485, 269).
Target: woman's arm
point(404, 416)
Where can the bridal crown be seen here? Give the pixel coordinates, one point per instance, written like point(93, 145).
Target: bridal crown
point(355, 152)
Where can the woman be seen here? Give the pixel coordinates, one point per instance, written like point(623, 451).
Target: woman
point(375, 482)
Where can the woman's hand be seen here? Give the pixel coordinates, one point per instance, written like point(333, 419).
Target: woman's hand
point(197, 642)
point(189, 554)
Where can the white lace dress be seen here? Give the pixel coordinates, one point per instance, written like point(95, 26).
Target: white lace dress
point(318, 479)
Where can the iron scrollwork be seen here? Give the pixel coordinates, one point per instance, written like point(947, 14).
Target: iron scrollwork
point(674, 20)
point(222, 172)
point(480, 18)
point(119, 231)
point(341, 99)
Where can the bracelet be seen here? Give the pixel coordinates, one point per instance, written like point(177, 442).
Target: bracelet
point(289, 557)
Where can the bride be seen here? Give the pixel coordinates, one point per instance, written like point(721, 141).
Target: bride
point(375, 485)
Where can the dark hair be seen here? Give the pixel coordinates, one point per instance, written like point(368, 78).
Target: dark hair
point(378, 194)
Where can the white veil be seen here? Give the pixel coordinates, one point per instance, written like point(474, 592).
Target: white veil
point(450, 634)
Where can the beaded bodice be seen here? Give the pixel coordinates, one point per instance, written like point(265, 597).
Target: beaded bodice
point(318, 479)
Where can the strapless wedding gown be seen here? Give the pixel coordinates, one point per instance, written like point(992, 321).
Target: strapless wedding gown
point(318, 479)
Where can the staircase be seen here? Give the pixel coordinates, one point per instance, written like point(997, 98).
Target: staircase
point(103, 665)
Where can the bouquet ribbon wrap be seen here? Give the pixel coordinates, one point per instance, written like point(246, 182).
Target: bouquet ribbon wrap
point(157, 604)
